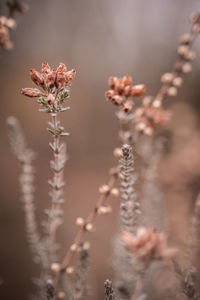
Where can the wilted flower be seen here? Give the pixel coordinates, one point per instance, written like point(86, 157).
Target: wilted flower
point(147, 244)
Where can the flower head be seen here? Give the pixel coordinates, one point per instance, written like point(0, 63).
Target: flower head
point(121, 90)
point(6, 24)
point(147, 244)
point(53, 86)
point(150, 116)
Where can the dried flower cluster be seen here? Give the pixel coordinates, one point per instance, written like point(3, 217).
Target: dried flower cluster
point(122, 90)
point(147, 244)
point(8, 23)
point(54, 84)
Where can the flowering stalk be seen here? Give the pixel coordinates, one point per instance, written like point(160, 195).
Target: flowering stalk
point(54, 91)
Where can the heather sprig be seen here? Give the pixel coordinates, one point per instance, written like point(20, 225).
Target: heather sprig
point(25, 157)
point(122, 94)
point(151, 115)
point(52, 93)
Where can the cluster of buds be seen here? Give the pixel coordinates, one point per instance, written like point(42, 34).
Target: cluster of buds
point(150, 117)
point(121, 91)
point(147, 245)
point(6, 24)
point(54, 87)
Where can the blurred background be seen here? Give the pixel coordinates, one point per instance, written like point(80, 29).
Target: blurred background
point(98, 39)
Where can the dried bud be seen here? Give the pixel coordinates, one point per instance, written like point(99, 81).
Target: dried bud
point(89, 227)
point(55, 267)
point(61, 68)
point(51, 99)
point(119, 87)
point(128, 106)
point(148, 131)
point(103, 210)
point(140, 126)
point(128, 91)
point(37, 77)
point(186, 68)
point(104, 189)
point(51, 79)
point(196, 28)
point(138, 90)
point(178, 81)
point(70, 270)
point(60, 80)
point(185, 39)
point(80, 222)
point(45, 68)
point(172, 91)
point(111, 82)
point(156, 103)
point(127, 80)
point(167, 77)
point(183, 50)
point(117, 100)
point(69, 76)
point(31, 92)
point(115, 192)
point(109, 94)
point(74, 247)
point(191, 55)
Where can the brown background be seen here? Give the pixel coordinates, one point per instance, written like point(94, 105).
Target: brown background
point(98, 39)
